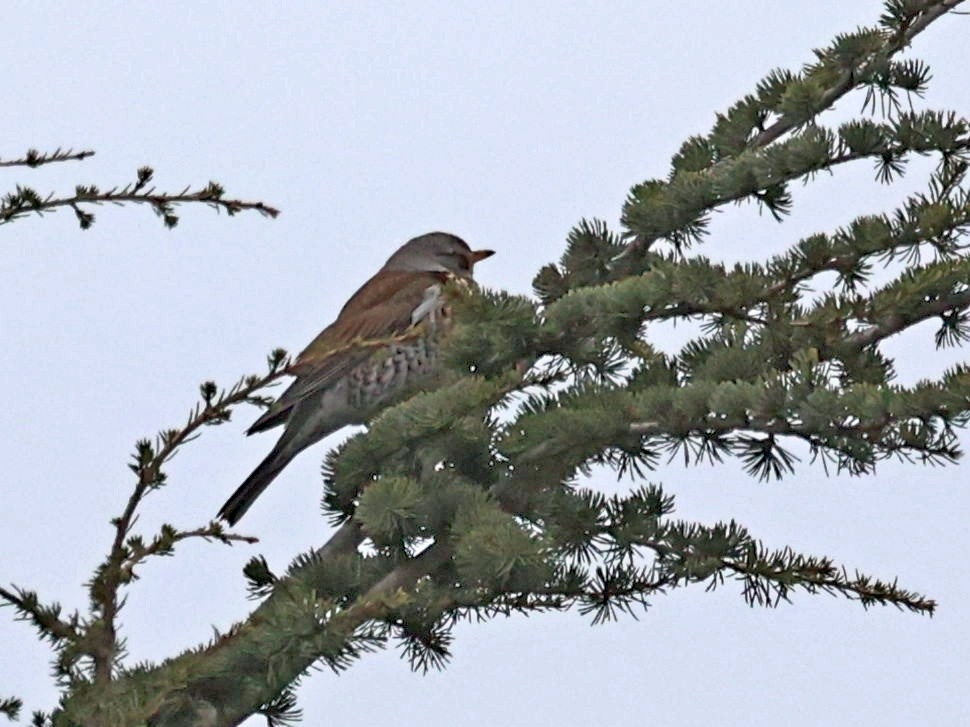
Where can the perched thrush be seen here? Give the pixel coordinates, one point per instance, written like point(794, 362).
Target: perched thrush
point(383, 343)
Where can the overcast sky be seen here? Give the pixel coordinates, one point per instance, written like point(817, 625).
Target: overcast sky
point(368, 124)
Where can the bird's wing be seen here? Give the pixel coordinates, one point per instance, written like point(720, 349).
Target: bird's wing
point(381, 311)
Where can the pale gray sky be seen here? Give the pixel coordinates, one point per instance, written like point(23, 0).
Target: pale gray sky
point(368, 124)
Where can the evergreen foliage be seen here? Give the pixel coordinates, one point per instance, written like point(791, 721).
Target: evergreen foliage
point(470, 497)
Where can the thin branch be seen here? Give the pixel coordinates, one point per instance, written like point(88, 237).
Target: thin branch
point(44, 619)
point(212, 531)
point(34, 158)
point(160, 202)
point(823, 575)
point(117, 568)
point(164, 543)
point(25, 200)
point(895, 323)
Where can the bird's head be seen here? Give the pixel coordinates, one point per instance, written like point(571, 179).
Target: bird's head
point(437, 252)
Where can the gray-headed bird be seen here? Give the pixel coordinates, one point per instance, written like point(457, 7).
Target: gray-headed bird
point(384, 342)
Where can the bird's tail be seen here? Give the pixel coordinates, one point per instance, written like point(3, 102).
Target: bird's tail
point(245, 495)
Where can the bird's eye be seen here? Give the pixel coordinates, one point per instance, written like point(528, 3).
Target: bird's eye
point(462, 261)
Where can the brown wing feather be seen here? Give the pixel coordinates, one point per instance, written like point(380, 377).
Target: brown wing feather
point(380, 310)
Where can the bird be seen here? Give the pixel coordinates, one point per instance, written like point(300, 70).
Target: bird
point(383, 343)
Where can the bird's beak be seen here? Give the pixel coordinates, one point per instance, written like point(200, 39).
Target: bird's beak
point(476, 256)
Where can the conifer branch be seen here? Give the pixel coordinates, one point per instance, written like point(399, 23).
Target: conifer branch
point(34, 158)
point(163, 544)
point(742, 159)
point(497, 499)
point(46, 619)
point(335, 629)
point(770, 578)
point(25, 200)
point(902, 30)
point(127, 551)
point(10, 707)
point(890, 323)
